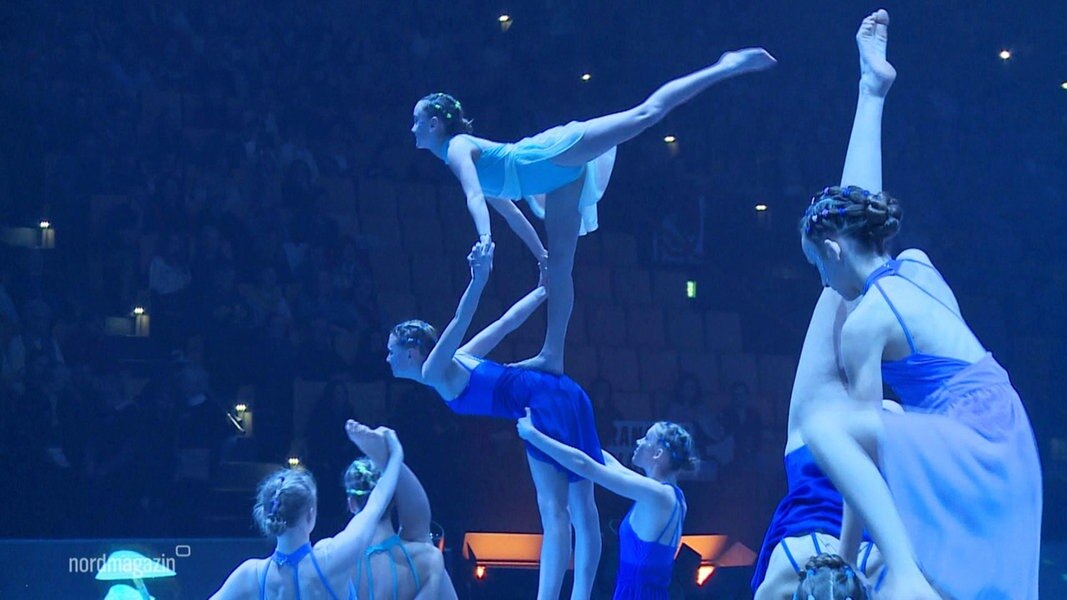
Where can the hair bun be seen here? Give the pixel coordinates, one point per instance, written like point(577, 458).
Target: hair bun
point(882, 214)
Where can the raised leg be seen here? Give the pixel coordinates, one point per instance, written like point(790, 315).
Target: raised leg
point(551, 488)
point(863, 161)
point(603, 133)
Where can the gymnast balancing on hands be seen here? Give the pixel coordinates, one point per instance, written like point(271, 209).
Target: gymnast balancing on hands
point(470, 384)
point(562, 172)
point(950, 490)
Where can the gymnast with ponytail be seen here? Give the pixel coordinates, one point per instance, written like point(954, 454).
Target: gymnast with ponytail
point(286, 508)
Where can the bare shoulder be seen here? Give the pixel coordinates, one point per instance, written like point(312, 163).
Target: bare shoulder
point(241, 582)
point(425, 555)
point(459, 146)
point(249, 568)
point(915, 254)
point(870, 317)
point(322, 547)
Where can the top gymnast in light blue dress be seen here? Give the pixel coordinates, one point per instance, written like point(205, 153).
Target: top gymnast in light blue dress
point(562, 173)
point(950, 490)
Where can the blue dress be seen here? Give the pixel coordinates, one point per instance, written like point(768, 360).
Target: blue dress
point(524, 170)
point(559, 407)
point(963, 468)
point(293, 559)
point(812, 505)
point(645, 568)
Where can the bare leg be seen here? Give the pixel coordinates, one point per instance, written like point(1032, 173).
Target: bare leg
point(562, 223)
point(551, 488)
point(845, 446)
point(863, 161)
point(603, 133)
point(587, 543)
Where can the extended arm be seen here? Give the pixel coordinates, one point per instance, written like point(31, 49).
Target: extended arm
point(488, 338)
point(621, 481)
point(862, 342)
point(518, 222)
point(436, 365)
point(461, 161)
point(349, 544)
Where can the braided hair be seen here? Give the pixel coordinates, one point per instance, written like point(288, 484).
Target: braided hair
point(829, 577)
point(360, 479)
point(679, 445)
point(450, 111)
point(854, 212)
point(282, 499)
point(416, 334)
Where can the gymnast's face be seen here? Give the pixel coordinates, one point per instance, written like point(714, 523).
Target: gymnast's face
point(405, 362)
point(424, 127)
point(648, 449)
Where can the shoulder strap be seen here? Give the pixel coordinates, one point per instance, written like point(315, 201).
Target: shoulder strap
point(322, 577)
point(900, 319)
point(263, 581)
point(678, 499)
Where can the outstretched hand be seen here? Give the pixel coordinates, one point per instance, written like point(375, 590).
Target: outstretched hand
point(480, 259)
point(525, 426)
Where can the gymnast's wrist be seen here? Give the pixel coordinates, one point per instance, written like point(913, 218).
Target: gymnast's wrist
point(485, 237)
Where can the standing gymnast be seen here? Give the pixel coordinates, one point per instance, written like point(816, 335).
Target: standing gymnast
point(562, 172)
point(286, 508)
point(950, 489)
point(470, 384)
point(651, 532)
point(807, 522)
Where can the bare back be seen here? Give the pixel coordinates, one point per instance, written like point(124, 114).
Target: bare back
point(279, 580)
point(926, 305)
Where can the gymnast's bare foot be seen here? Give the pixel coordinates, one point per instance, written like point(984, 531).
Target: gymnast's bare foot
point(876, 74)
point(542, 362)
point(747, 60)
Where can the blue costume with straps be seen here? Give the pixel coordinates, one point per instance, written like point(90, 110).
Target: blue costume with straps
point(961, 462)
point(386, 548)
point(293, 560)
point(559, 407)
point(812, 505)
point(525, 170)
point(645, 567)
